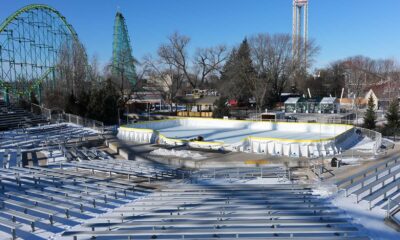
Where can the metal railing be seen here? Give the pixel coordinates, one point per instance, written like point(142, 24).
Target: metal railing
point(237, 173)
point(391, 214)
point(67, 117)
point(373, 135)
point(84, 122)
point(39, 110)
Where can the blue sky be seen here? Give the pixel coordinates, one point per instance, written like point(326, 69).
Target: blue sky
point(340, 27)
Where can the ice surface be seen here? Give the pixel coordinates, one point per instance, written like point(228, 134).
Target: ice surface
point(234, 135)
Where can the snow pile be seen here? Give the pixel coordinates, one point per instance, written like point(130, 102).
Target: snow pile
point(91, 130)
point(369, 221)
point(350, 160)
point(54, 156)
point(355, 160)
point(177, 153)
point(259, 180)
point(365, 145)
point(325, 190)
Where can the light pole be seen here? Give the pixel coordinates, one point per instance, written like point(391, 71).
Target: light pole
point(127, 114)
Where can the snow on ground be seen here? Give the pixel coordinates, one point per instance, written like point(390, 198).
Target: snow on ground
point(54, 156)
point(355, 160)
point(365, 145)
point(84, 128)
point(372, 221)
point(177, 153)
point(351, 160)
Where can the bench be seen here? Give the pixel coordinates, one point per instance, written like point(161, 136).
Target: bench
point(216, 222)
point(61, 198)
point(69, 193)
point(15, 214)
point(365, 172)
point(11, 225)
point(36, 201)
point(382, 191)
point(210, 232)
point(212, 215)
point(30, 207)
point(362, 181)
point(110, 171)
point(375, 183)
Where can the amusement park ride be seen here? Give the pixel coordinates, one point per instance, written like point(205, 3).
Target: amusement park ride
point(32, 41)
point(300, 26)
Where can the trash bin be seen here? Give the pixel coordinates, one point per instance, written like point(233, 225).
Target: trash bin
point(334, 162)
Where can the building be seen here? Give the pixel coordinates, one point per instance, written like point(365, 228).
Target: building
point(312, 105)
point(198, 103)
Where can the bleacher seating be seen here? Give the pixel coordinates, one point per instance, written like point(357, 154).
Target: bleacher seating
point(89, 194)
point(63, 195)
point(191, 211)
point(279, 172)
point(50, 138)
point(376, 184)
point(12, 117)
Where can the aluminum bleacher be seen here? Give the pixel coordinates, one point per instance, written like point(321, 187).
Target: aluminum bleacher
point(49, 138)
point(243, 173)
point(63, 195)
point(193, 211)
point(12, 117)
point(377, 184)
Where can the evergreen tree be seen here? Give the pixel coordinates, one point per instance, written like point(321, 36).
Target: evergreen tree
point(393, 119)
point(103, 103)
point(236, 74)
point(370, 115)
point(70, 104)
point(221, 109)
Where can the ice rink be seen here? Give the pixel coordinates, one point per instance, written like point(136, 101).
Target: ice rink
point(234, 135)
point(275, 138)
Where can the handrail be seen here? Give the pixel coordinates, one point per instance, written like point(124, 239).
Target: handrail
point(390, 218)
point(365, 171)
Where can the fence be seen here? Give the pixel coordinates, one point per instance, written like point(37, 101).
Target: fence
point(57, 117)
point(194, 114)
point(375, 136)
point(39, 110)
point(85, 122)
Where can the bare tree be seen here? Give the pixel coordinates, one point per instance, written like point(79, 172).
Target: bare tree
point(208, 62)
point(275, 65)
point(70, 76)
point(363, 72)
point(205, 63)
point(165, 77)
point(93, 72)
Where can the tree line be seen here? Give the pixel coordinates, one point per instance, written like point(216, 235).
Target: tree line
point(259, 69)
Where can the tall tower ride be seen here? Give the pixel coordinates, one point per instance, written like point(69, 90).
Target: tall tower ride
point(123, 65)
point(300, 28)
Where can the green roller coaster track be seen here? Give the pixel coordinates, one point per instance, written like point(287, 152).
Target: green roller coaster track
point(30, 42)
